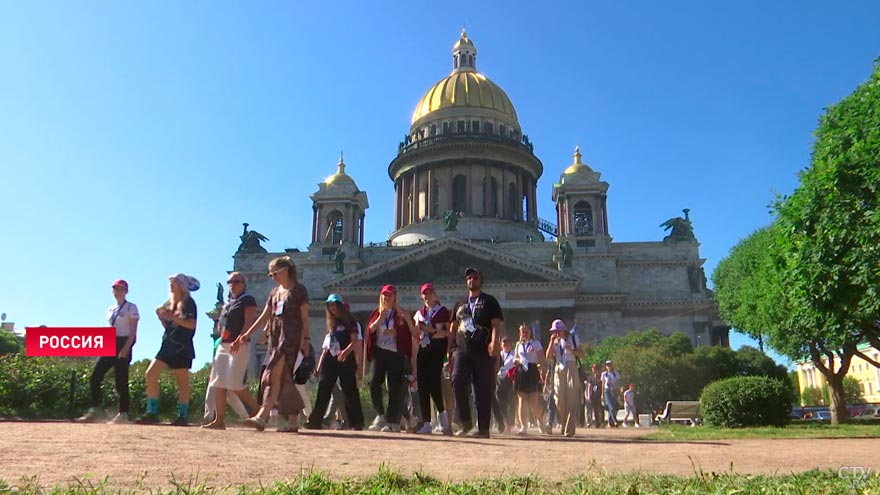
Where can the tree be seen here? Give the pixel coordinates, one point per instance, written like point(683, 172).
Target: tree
point(852, 391)
point(752, 362)
point(9, 344)
point(812, 396)
point(716, 362)
point(829, 242)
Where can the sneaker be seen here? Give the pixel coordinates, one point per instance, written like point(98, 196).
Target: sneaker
point(637, 425)
point(445, 427)
point(148, 419)
point(545, 429)
point(119, 419)
point(180, 421)
point(256, 422)
point(378, 423)
point(478, 434)
point(625, 425)
point(215, 425)
point(390, 429)
point(425, 429)
point(90, 416)
point(334, 425)
point(522, 431)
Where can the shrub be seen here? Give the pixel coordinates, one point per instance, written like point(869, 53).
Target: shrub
point(745, 401)
point(38, 387)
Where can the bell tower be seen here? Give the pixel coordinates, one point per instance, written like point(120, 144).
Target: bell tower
point(339, 210)
point(582, 204)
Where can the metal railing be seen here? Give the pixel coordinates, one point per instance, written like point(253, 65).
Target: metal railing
point(523, 144)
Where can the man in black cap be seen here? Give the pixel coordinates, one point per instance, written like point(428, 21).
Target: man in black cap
point(476, 330)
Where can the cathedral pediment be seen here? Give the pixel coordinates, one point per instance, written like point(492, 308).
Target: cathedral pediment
point(443, 262)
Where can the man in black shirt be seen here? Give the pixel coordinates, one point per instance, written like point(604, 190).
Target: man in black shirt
point(477, 330)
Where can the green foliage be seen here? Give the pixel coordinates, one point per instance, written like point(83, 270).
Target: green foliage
point(715, 362)
point(658, 377)
point(746, 401)
point(831, 223)
point(35, 387)
point(9, 343)
point(852, 392)
point(814, 396)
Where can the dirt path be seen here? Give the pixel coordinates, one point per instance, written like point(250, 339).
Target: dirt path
point(58, 452)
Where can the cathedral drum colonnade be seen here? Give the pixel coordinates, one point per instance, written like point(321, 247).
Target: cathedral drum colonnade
point(465, 179)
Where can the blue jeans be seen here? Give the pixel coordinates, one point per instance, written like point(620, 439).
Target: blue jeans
point(611, 406)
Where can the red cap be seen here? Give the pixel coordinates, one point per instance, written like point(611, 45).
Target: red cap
point(389, 289)
point(121, 283)
point(426, 287)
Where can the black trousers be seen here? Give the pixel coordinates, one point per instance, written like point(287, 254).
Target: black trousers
point(473, 370)
point(346, 373)
point(430, 376)
point(120, 370)
point(503, 407)
point(388, 365)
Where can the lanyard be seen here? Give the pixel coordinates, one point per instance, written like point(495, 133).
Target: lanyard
point(116, 313)
point(472, 304)
point(389, 321)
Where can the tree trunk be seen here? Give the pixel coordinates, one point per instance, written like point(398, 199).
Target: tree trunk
point(839, 413)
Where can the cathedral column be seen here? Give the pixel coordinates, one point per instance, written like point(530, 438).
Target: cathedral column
point(605, 215)
point(429, 191)
point(414, 213)
point(314, 223)
point(505, 196)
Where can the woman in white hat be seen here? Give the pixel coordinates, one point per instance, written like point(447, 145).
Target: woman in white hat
point(566, 380)
point(178, 316)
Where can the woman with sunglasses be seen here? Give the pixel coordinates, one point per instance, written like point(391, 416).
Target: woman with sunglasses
point(228, 370)
point(389, 345)
point(433, 324)
point(339, 361)
point(178, 316)
point(286, 318)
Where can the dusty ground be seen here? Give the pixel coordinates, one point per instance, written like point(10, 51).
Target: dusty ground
point(56, 453)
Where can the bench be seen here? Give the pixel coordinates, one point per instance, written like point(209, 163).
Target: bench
point(684, 411)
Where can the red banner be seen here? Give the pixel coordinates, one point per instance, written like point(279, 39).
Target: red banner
point(70, 342)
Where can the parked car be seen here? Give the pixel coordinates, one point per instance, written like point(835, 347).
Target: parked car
point(821, 415)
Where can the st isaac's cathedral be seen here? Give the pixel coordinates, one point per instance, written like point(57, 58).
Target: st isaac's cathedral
point(465, 180)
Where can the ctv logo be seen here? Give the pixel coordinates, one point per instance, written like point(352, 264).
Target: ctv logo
point(70, 342)
point(857, 475)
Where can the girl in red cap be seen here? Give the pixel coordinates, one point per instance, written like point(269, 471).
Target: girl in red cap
point(389, 345)
point(433, 325)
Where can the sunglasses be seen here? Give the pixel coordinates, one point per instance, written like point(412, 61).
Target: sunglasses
point(274, 274)
point(233, 282)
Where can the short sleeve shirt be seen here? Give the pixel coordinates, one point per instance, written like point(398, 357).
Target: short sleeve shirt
point(123, 318)
point(609, 380)
point(232, 317)
point(475, 317)
point(181, 336)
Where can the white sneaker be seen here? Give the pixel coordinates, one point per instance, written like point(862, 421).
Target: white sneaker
point(638, 425)
point(625, 425)
point(90, 416)
point(522, 431)
point(445, 427)
point(119, 419)
point(390, 428)
point(425, 429)
point(378, 423)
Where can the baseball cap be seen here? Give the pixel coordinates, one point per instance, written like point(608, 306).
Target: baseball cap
point(608, 362)
point(469, 270)
point(334, 298)
point(505, 339)
point(389, 289)
point(191, 283)
point(121, 283)
point(558, 326)
point(425, 288)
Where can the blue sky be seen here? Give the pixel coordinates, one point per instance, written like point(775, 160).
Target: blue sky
point(136, 138)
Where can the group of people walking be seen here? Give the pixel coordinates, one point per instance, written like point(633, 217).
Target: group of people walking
point(425, 352)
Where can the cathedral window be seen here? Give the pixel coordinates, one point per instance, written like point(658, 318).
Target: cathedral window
point(459, 193)
point(511, 201)
point(461, 126)
point(490, 128)
point(583, 219)
point(433, 129)
point(475, 126)
point(446, 128)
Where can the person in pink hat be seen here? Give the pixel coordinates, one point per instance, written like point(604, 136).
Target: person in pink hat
point(432, 322)
point(389, 345)
point(124, 317)
point(564, 352)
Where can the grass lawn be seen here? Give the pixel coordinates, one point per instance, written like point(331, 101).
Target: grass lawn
point(795, 430)
point(384, 482)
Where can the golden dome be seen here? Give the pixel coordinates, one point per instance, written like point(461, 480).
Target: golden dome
point(340, 178)
point(578, 166)
point(461, 89)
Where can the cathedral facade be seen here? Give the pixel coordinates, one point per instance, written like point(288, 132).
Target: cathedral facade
point(465, 180)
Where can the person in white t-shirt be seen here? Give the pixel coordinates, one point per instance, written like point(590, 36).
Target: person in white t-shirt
point(528, 355)
point(124, 317)
point(629, 406)
point(610, 379)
